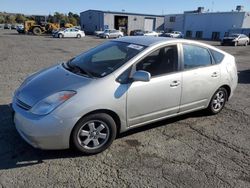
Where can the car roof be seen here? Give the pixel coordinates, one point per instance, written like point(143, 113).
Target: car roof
point(145, 40)
point(151, 41)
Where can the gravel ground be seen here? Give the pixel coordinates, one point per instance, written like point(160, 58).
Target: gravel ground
point(189, 151)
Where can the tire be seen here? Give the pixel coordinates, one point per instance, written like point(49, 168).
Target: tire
point(246, 43)
point(107, 37)
point(236, 44)
point(78, 36)
point(37, 31)
point(218, 101)
point(94, 133)
point(60, 36)
point(119, 36)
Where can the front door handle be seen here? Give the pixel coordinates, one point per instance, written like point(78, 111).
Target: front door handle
point(215, 74)
point(175, 83)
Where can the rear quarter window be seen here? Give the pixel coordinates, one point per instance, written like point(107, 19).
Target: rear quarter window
point(218, 57)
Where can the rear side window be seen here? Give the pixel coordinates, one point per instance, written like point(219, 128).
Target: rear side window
point(195, 56)
point(218, 57)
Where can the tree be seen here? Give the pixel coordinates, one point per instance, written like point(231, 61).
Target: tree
point(11, 19)
point(2, 19)
point(20, 18)
point(77, 17)
point(73, 21)
point(59, 17)
point(70, 14)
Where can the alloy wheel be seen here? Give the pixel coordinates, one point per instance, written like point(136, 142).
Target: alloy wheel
point(93, 134)
point(218, 101)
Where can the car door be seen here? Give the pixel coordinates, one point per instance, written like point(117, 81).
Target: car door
point(66, 33)
point(160, 97)
point(200, 77)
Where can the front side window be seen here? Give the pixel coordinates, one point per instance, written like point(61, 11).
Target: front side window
point(160, 62)
point(195, 56)
point(106, 58)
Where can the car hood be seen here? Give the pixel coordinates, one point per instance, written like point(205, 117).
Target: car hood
point(229, 38)
point(48, 82)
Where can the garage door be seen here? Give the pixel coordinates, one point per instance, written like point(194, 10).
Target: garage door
point(149, 24)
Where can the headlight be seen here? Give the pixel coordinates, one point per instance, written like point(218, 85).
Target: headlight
point(50, 103)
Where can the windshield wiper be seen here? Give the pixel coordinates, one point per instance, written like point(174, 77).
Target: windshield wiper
point(78, 70)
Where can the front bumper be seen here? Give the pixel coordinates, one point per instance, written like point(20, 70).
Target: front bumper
point(47, 132)
point(228, 42)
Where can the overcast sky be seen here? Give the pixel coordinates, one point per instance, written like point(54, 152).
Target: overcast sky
point(137, 6)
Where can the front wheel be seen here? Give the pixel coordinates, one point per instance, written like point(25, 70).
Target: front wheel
point(94, 133)
point(236, 44)
point(60, 36)
point(218, 101)
point(246, 44)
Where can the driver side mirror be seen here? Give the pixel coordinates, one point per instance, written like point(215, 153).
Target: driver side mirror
point(142, 76)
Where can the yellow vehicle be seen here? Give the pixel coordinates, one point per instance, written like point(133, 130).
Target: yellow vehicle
point(38, 25)
point(32, 26)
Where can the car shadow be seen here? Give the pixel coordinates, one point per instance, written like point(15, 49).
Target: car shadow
point(244, 77)
point(16, 153)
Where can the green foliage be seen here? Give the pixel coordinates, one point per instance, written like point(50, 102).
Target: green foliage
point(11, 19)
point(20, 18)
point(56, 18)
point(2, 19)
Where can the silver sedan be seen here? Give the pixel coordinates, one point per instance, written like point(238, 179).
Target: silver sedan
point(121, 84)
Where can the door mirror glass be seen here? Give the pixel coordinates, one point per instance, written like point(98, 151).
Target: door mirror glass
point(141, 76)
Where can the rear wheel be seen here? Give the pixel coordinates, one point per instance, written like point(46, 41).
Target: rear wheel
point(107, 37)
point(37, 31)
point(78, 36)
point(94, 133)
point(218, 101)
point(246, 43)
point(236, 44)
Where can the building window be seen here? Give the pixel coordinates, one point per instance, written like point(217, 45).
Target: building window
point(83, 26)
point(216, 36)
point(199, 34)
point(172, 19)
point(189, 34)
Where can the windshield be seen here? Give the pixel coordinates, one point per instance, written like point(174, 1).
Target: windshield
point(106, 58)
point(234, 35)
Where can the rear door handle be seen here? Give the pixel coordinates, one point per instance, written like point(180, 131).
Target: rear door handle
point(175, 83)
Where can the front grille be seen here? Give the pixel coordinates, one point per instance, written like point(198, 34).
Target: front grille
point(227, 40)
point(22, 105)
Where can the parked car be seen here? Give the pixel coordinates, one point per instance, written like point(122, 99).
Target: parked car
point(13, 26)
point(111, 33)
point(119, 85)
point(151, 33)
point(69, 33)
point(7, 26)
point(136, 32)
point(174, 34)
point(235, 39)
point(97, 33)
point(20, 28)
